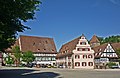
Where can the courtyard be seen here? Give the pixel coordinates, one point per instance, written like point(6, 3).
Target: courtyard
point(58, 73)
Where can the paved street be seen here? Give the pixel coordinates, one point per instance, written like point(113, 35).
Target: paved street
point(57, 73)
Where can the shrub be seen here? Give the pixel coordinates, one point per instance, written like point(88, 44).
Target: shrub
point(110, 64)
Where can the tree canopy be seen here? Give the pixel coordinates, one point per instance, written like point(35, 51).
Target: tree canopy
point(110, 39)
point(28, 57)
point(17, 54)
point(118, 52)
point(9, 60)
point(12, 15)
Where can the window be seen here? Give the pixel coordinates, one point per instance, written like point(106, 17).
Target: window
point(52, 49)
point(46, 42)
point(43, 59)
point(53, 59)
point(84, 64)
point(90, 56)
point(87, 49)
point(69, 63)
point(33, 43)
point(49, 58)
point(77, 64)
point(82, 43)
point(77, 56)
point(63, 51)
point(40, 43)
point(79, 49)
point(83, 49)
point(90, 63)
point(84, 56)
point(69, 57)
point(38, 49)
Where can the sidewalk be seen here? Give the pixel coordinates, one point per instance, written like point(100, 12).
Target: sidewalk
point(4, 67)
point(107, 69)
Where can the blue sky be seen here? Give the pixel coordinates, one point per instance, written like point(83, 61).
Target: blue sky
point(65, 20)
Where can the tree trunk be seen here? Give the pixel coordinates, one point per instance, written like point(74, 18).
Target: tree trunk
point(17, 63)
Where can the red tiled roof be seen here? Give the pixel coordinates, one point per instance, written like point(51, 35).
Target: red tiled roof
point(70, 46)
point(37, 44)
point(116, 45)
point(99, 49)
point(94, 39)
point(102, 47)
point(67, 48)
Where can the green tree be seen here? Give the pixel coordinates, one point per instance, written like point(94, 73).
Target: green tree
point(28, 57)
point(110, 64)
point(101, 39)
point(9, 60)
point(13, 13)
point(110, 39)
point(17, 54)
point(118, 52)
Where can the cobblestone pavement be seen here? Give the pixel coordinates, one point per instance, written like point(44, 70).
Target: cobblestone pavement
point(8, 72)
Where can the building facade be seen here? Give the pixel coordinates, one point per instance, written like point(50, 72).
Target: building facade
point(43, 48)
point(106, 53)
point(76, 54)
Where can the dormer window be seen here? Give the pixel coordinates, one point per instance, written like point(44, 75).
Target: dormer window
point(79, 49)
point(83, 38)
point(33, 43)
point(46, 42)
point(63, 51)
point(82, 43)
point(40, 43)
point(38, 49)
point(52, 50)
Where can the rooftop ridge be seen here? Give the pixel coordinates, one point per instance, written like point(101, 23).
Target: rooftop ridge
point(34, 36)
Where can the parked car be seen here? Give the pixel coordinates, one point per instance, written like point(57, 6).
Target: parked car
point(43, 66)
point(61, 66)
point(115, 67)
point(30, 65)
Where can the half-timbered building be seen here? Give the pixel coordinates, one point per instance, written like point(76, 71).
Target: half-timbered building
point(106, 53)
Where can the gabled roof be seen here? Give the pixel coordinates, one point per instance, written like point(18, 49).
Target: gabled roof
point(116, 46)
point(94, 39)
point(70, 46)
point(37, 44)
point(102, 47)
point(99, 49)
point(67, 48)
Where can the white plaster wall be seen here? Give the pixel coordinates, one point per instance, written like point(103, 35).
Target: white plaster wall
point(81, 53)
